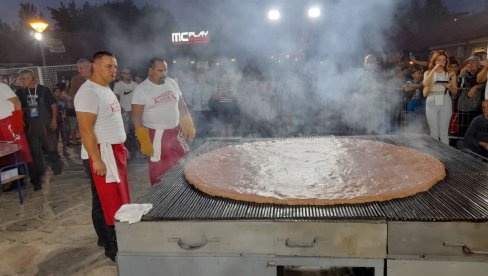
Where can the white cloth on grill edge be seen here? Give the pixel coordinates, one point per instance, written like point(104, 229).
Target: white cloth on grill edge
point(132, 212)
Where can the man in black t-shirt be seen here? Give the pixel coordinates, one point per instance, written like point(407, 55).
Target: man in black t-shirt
point(40, 118)
point(476, 137)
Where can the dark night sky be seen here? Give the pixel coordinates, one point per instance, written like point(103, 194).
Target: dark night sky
point(9, 8)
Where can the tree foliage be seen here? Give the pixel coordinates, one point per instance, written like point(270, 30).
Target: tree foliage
point(415, 15)
point(26, 12)
point(125, 15)
point(435, 11)
point(117, 25)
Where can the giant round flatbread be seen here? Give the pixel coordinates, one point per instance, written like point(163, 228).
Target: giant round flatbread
point(314, 171)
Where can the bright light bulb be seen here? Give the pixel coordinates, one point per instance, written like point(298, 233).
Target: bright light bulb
point(313, 12)
point(274, 15)
point(38, 36)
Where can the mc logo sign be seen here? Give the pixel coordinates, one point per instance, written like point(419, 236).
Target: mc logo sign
point(189, 37)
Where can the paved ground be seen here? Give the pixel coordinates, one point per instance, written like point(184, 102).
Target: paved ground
point(52, 232)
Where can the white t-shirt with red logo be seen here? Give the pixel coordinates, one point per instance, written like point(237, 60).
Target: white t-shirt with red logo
point(160, 103)
point(124, 91)
point(6, 106)
point(101, 101)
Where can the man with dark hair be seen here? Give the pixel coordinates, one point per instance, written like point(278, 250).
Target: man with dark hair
point(161, 120)
point(40, 116)
point(102, 132)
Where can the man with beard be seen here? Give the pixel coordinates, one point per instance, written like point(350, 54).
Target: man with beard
point(161, 120)
point(102, 132)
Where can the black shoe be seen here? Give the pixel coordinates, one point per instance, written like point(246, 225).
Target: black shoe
point(56, 167)
point(111, 252)
point(37, 186)
point(57, 171)
point(101, 242)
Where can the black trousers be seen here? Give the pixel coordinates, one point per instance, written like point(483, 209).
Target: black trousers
point(465, 118)
point(105, 233)
point(42, 143)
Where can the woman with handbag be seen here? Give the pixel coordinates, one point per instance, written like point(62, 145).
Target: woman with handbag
point(439, 84)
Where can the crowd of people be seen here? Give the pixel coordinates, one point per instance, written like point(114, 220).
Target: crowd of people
point(118, 118)
point(454, 98)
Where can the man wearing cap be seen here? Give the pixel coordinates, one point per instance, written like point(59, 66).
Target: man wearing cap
point(102, 132)
point(161, 120)
point(469, 94)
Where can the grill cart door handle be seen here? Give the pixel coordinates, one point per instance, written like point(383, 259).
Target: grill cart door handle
point(192, 246)
point(466, 249)
point(295, 244)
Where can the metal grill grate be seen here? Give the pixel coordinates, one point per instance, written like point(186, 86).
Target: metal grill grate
point(461, 196)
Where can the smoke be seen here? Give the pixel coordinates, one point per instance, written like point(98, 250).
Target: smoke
point(296, 76)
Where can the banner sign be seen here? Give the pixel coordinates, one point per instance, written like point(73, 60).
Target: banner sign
point(189, 37)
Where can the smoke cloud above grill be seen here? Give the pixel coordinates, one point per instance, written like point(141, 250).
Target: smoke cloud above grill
point(309, 71)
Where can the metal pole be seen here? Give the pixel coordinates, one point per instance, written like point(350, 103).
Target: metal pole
point(43, 56)
point(39, 73)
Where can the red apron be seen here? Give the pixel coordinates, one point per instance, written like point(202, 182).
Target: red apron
point(6, 134)
point(173, 148)
point(113, 195)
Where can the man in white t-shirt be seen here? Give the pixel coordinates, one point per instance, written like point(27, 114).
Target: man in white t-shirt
point(161, 119)
point(123, 89)
point(102, 132)
point(12, 123)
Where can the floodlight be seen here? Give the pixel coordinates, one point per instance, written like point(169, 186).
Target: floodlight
point(313, 12)
point(274, 15)
point(38, 36)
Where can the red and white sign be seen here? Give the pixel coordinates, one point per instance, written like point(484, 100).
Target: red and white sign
point(189, 37)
